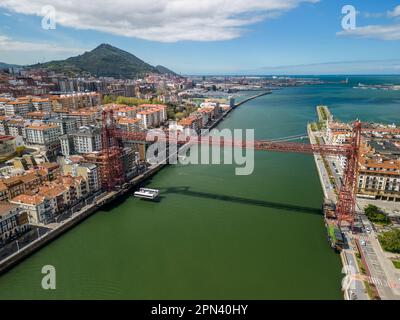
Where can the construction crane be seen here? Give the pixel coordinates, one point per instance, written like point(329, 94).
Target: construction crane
point(112, 173)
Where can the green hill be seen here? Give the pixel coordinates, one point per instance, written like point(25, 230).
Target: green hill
point(6, 65)
point(164, 70)
point(104, 61)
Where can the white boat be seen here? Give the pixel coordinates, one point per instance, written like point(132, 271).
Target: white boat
point(146, 193)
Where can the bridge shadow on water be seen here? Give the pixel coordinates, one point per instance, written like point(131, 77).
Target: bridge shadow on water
point(261, 203)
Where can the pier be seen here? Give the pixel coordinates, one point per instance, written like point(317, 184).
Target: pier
point(77, 217)
point(252, 97)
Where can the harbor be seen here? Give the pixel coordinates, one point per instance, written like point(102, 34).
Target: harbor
point(193, 209)
point(207, 218)
point(57, 229)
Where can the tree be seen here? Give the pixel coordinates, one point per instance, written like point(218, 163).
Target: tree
point(391, 240)
point(108, 99)
point(376, 215)
point(179, 115)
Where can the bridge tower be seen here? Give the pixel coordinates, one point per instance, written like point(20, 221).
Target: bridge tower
point(346, 206)
point(111, 167)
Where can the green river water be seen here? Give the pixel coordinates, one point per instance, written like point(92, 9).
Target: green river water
point(213, 235)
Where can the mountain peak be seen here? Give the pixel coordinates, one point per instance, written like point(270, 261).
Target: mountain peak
point(105, 46)
point(106, 61)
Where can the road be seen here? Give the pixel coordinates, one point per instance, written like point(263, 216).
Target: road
point(23, 241)
point(328, 189)
point(380, 267)
point(382, 271)
point(357, 290)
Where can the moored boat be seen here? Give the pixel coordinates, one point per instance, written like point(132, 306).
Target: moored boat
point(146, 193)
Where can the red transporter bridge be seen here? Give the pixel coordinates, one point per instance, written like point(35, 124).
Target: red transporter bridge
point(112, 173)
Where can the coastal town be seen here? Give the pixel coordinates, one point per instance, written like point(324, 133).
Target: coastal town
point(54, 167)
point(189, 158)
point(370, 262)
point(61, 161)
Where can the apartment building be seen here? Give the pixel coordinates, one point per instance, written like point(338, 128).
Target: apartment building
point(12, 127)
point(37, 115)
point(193, 122)
point(77, 187)
point(84, 117)
point(13, 221)
point(162, 109)
point(89, 171)
point(379, 178)
point(206, 114)
point(127, 112)
point(18, 108)
point(152, 115)
point(128, 163)
point(379, 171)
point(51, 198)
point(43, 105)
point(66, 125)
point(85, 140)
point(3, 126)
point(130, 124)
point(121, 110)
point(48, 170)
point(42, 134)
point(147, 118)
point(8, 146)
point(57, 192)
point(13, 186)
point(67, 145)
point(76, 101)
point(338, 134)
point(40, 209)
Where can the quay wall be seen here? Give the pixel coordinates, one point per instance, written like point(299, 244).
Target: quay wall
point(17, 257)
point(12, 260)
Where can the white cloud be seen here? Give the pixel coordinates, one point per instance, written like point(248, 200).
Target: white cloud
point(374, 15)
point(9, 45)
point(395, 12)
point(382, 32)
point(338, 67)
point(160, 20)
point(28, 52)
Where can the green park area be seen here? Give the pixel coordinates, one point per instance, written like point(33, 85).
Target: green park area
point(376, 215)
point(390, 241)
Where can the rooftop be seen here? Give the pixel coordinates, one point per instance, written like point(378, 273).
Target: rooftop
point(42, 126)
point(384, 147)
point(28, 199)
point(6, 207)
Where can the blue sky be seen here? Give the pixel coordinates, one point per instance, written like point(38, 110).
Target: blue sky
point(211, 36)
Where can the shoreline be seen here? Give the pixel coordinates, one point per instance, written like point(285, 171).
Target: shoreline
point(321, 174)
point(347, 256)
point(100, 201)
point(252, 98)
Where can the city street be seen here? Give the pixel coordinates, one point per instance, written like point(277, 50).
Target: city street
point(23, 241)
point(382, 272)
point(379, 265)
point(357, 290)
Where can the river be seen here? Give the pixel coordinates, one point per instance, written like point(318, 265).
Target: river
point(214, 235)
